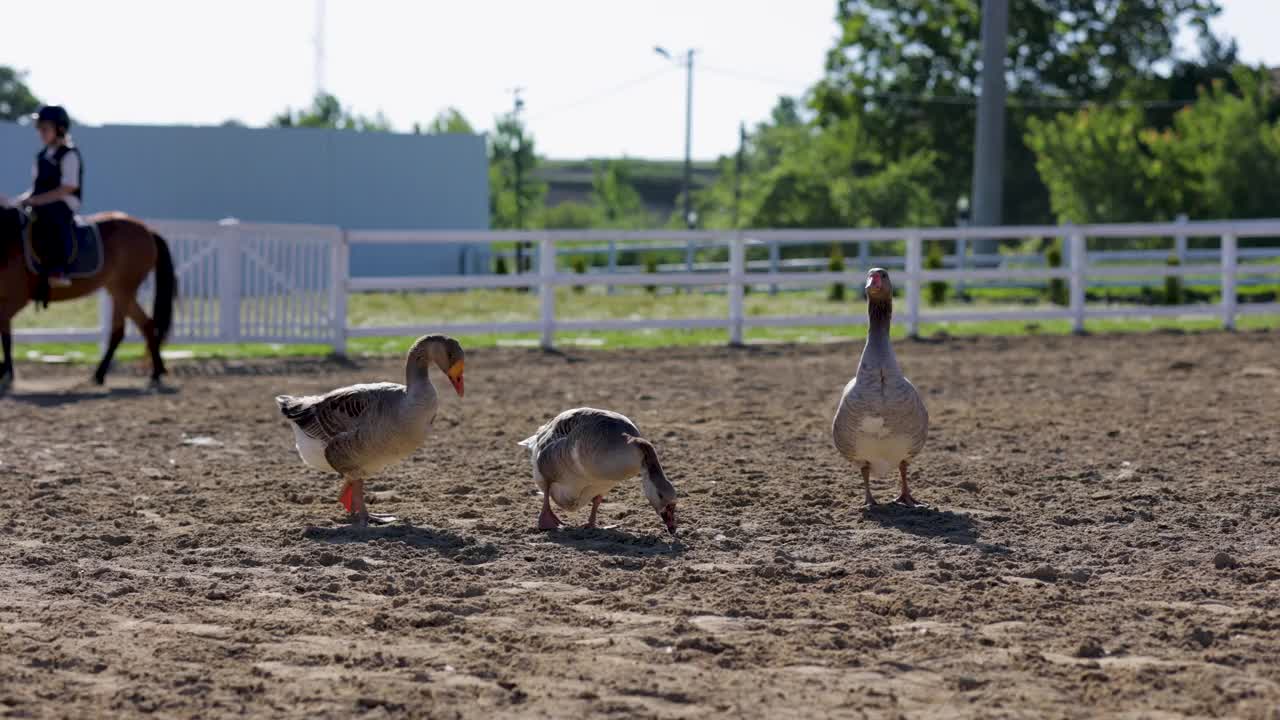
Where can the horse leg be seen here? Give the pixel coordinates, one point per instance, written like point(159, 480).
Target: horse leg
point(6, 368)
point(117, 334)
point(148, 330)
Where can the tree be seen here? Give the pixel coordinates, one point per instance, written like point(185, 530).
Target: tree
point(327, 112)
point(801, 174)
point(16, 99)
point(614, 197)
point(1220, 158)
point(515, 195)
point(910, 70)
point(570, 215)
point(450, 121)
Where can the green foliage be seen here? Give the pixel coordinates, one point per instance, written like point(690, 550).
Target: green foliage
point(449, 121)
point(1057, 286)
point(613, 195)
point(500, 266)
point(16, 99)
point(890, 53)
point(1094, 166)
point(651, 266)
point(836, 264)
point(327, 112)
point(580, 268)
point(1173, 293)
point(933, 261)
point(800, 174)
point(570, 215)
point(515, 194)
point(1220, 158)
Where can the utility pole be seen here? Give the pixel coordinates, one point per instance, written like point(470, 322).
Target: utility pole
point(517, 106)
point(318, 42)
point(988, 147)
point(690, 218)
point(739, 166)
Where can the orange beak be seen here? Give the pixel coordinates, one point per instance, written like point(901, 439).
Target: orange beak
point(455, 377)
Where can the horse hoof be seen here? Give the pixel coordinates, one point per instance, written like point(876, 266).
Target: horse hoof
point(99, 380)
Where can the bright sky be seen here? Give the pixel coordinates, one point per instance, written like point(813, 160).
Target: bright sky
point(593, 84)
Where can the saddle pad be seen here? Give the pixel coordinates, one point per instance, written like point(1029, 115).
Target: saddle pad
point(86, 251)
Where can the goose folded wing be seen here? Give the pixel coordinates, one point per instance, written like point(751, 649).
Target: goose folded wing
point(325, 417)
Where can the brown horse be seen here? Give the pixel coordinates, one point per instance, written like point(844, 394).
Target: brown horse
point(130, 251)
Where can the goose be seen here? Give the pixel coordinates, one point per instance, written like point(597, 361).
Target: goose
point(358, 430)
point(583, 453)
point(881, 422)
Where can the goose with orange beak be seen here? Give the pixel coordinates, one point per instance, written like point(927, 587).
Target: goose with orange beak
point(358, 430)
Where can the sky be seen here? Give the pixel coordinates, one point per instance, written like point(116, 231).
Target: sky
point(592, 83)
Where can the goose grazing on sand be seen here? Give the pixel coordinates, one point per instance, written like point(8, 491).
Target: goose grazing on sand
point(881, 422)
point(357, 430)
point(583, 453)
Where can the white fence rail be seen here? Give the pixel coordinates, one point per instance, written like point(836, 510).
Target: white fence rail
point(290, 283)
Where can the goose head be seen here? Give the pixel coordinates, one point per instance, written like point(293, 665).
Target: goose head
point(442, 351)
point(878, 287)
point(657, 489)
point(661, 494)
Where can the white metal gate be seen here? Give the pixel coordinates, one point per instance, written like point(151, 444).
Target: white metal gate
point(243, 282)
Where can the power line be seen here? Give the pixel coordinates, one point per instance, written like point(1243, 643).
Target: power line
point(968, 100)
point(600, 95)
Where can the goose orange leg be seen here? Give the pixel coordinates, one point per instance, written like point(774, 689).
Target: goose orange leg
point(352, 498)
point(866, 485)
point(595, 507)
point(904, 497)
point(547, 519)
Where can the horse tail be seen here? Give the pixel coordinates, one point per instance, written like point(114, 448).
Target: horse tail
point(166, 289)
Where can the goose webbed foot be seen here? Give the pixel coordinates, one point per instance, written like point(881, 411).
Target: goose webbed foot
point(904, 496)
point(906, 500)
point(547, 519)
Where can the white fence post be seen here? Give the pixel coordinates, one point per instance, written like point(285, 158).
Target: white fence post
point(339, 254)
point(547, 289)
point(1229, 282)
point(737, 286)
point(1077, 249)
point(613, 262)
point(229, 280)
point(1180, 240)
point(913, 285)
point(775, 257)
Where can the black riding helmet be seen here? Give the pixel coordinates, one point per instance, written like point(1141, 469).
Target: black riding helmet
point(55, 115)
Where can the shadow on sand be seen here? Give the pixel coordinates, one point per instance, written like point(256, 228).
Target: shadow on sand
point(82, 392)
point(444, 542)
point(611, 541)
point(925, 522)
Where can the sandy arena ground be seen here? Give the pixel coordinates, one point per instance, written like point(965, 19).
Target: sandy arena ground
point(1106, 543)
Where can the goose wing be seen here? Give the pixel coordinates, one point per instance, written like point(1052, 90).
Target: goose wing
point(342, 411)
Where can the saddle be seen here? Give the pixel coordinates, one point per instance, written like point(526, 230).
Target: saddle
point(86, 250)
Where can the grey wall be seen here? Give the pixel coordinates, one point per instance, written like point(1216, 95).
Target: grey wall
point(368, 181)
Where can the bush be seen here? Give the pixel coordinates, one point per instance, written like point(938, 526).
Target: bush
point(1057, 286)
point(1173, 294)
point(836, 264)
point(937, 288)
point(580, 268)
point(500, 266)
point(651, 266)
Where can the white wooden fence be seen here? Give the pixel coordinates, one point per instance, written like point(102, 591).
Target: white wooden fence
point(242, 282)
